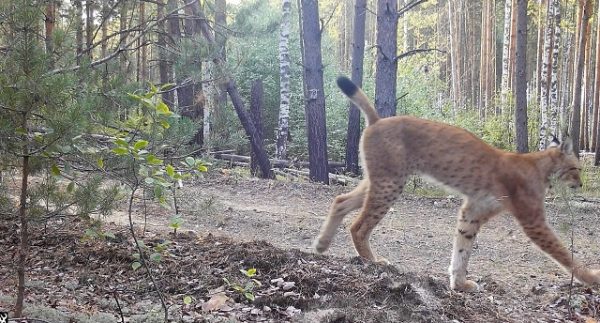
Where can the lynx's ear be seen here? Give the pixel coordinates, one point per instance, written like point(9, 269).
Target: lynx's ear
point(555, 142)
point(567, 146)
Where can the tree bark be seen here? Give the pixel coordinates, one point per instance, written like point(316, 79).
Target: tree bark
point(49, 21)
point(596, 92)
point(164, 65)
point(584, 6)
point(521, 78)
point(124, 57)
point(78, 26)
point(504, 86)
point(544, 78)
point(284, 80)
point(256, 106)
point(313, 91)
point(358, 55)
point(386, 64)
point(143, 54)
point(554, 113)
point(89, 27)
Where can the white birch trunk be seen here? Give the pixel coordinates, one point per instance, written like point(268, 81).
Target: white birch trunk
point(209, 95)
point(554, 110)
point(284, 80)
point(505, 55)
point(545, 77)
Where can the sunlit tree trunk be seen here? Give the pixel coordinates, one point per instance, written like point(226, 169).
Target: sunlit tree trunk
point(78, 29)
point(585, 13)
point(164, 66)
point(284, 79)
point(544, 72)
point(456, 73)
point(387, 65)
point(313, 92)
point(554, 103)
point(521, 78)
point(49, 21)
point(584, 139)
point(504, 85)
point(540, 48)
point(358, 55)
point(143, 52)
point(596, 92)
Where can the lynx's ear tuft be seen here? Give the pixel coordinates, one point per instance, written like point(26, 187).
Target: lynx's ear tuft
point(567, 146)
point(347, 86)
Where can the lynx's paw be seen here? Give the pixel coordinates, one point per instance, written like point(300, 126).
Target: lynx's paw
point(321, 245)
point(465, 286)
point(591, 277)
point(383, 261)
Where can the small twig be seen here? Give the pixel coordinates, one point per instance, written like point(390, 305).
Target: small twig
point(409, 6)
point(116, 296)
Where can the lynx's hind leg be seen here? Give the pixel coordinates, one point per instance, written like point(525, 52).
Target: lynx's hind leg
point(380, 197)
point(342, 205)
point(472, 215)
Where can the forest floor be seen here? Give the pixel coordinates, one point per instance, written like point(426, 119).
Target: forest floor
point(232, 223)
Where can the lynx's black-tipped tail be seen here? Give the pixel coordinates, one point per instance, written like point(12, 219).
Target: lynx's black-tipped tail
point(359, 98)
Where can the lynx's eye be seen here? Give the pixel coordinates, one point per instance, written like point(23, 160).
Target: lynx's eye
point(571, 177)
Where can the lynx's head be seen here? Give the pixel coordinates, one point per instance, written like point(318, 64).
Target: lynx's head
point(566, 164)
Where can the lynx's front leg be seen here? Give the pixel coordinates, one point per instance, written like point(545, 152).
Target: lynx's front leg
point(537, 229)
point(471, 217)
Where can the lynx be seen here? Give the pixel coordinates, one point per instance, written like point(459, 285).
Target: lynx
point(490, 180)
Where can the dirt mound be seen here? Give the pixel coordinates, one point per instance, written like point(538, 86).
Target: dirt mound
point(215, 279)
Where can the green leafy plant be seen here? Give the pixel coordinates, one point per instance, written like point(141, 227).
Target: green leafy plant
point(247, 287)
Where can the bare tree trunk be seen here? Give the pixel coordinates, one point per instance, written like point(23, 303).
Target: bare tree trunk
point(387, 65)
point(521, 78)
point(174, 43)
point(143, 56)
point(284, 80)
point(544, 80)
point(49, 21)
point(124, 57)
point(358, 55)
point(596, 92)
point(454, 18)
point(540, 48)
point(584, 139)
point(584, 6)
point(504, 87)
point(164, 66)
point(89, 27)
point(556, 112)
point(78, 29)
point(313, 91)
point(256, 106)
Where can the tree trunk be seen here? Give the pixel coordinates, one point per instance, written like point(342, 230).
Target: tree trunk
point(584, 139)
point(540, 48)
point(78, 29)
point(255, 140)
point(504, 86)
point(596, 92)
point(358, 55)
point(554, 112)
point(313, 91)
point(174, 43)
point(49, 21)
point(164, 66)
point(89, 27)
point(220, 41)
point(544, 79)
point(256, 106)
point(521, 78)
point(584, 6)
point(143, 54)
point(284, 80)
point(387, 65)
point(124, 57)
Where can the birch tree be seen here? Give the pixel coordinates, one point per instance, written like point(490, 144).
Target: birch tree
point(554, 112)
point(504, 85)
point(545, 76)
point(284, 79)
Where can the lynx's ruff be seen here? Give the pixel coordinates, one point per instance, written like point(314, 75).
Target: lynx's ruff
point(491, 180)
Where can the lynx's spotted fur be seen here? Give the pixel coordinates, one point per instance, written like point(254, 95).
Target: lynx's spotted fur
point(491, 180)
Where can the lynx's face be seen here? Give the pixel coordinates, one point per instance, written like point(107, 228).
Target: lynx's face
point(568, 168)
